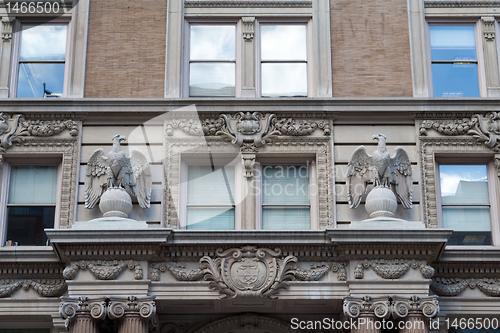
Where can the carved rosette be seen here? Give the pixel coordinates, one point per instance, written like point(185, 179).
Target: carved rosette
point(45, 288)
point(354, 307)
point(14, 128)
point(145, 307)
point(401, 307)
point(456, 286)
point(104, 270)
point(248, 272)
point(392, 269)
point(73, 306)
point(485, 129)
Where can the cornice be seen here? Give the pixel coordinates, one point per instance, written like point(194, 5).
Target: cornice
point(460, 3)
point(463, 254)
point(247, 3)
point(20, 254)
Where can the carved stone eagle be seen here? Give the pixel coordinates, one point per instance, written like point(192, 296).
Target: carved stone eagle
point(117, 170)
point(382, 169)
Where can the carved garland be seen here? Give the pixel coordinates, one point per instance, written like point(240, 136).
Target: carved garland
point(455, 286)
point(104, 270)
point(317, 273)
point(45, 288)
point(392, 269)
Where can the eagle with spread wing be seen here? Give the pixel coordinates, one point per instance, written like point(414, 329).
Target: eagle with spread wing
point(384, 170)
point(117, 170)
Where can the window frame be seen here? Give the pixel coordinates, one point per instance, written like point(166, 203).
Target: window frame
point(185, 82)
point(471, 159)
point(16, 37)
point(4, 189)
point(478, 34)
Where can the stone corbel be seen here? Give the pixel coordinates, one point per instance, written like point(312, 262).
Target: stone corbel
point(248, 164)
point(488, 28)
point(70, 307)
point(401, 307)
point(357, 306)
point(248, 28)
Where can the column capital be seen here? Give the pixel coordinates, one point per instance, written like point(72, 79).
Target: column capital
point(142, 306)
point(73, 306)
point(366, 305)
point(402, 307)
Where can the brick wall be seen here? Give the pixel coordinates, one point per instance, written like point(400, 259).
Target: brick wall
point(370, 48)
point(126, 49)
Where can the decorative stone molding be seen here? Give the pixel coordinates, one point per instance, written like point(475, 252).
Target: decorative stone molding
point(247, 321)
point(488, 28)
point(353, 307)
point(317, 272)
point(178, 271)
point(73, 306)
point(401, 307)
point(104, 270)
point(460, 3)
point(14, 128)
point(248, 272)
point(7, 29)
point(455, 286)
point(247, 3)
point(45, 288)
point(392, 269)
point(248, 27)
point(248, 164)
point(121, 306)
point(429, 147)
point(485, 129)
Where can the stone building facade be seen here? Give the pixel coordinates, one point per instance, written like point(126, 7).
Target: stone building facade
point(264, 261)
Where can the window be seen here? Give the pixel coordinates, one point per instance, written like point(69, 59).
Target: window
point(31, 196)
point(465, 198)
point(283, 60)
point(454, 60)
point(42, 56)
point(212, 60)
point(211, 195)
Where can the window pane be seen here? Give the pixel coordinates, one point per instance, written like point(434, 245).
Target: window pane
point(286, 218)
point(283, 42)
point(43, 42)
point(212, 42)
point(455, 80)
point(282, 80)
point(33, 76)
point(210, 187)
point(452, 42)
point(288, 184)
point(467, 218)
point(464, 184)
point(25, 224)
point(211, 79)
point(32, 184)
point(211, 218)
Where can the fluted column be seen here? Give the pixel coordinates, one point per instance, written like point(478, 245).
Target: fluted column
point(415, 312)
point(367, 311)
point(82, 314)
point(134, 314)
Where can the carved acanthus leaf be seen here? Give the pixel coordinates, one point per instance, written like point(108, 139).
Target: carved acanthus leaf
point(45, 288)
point(13, 129)
point(180, 273)
point(104, 270)
point(248, 272)
point(392, 269)
point(485, 129)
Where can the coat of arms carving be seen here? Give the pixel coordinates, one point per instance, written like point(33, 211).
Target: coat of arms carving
point(248, 272)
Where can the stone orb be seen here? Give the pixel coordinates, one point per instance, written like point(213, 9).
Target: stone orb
point(115, 202)
point(381, 201)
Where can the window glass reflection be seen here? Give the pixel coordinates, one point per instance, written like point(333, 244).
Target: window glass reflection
point(43, 42)
point(284, 80)
point(283, 42)
point(452, 42)
point(211, 79)
point(32, 77)
point(212, 42)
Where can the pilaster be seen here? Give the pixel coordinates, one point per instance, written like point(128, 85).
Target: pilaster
point(367, 311)
point(5, 59)
point(415, 311)
point(132, 313)
point(81, 314)
point(490, 56)
point(248, 55)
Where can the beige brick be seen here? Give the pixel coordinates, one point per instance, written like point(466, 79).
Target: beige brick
point(126, 49)
point(370, 48)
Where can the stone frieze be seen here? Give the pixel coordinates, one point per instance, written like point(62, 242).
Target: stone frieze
point(392, 269)
point(104, 270)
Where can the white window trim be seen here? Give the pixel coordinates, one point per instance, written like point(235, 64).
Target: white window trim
point(187, 53)
point(16, 36)
point(478, 34)
point(193, 160)
point(4, 189)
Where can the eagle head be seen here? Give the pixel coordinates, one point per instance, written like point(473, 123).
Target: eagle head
point(378, 136)
point(119, 138)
